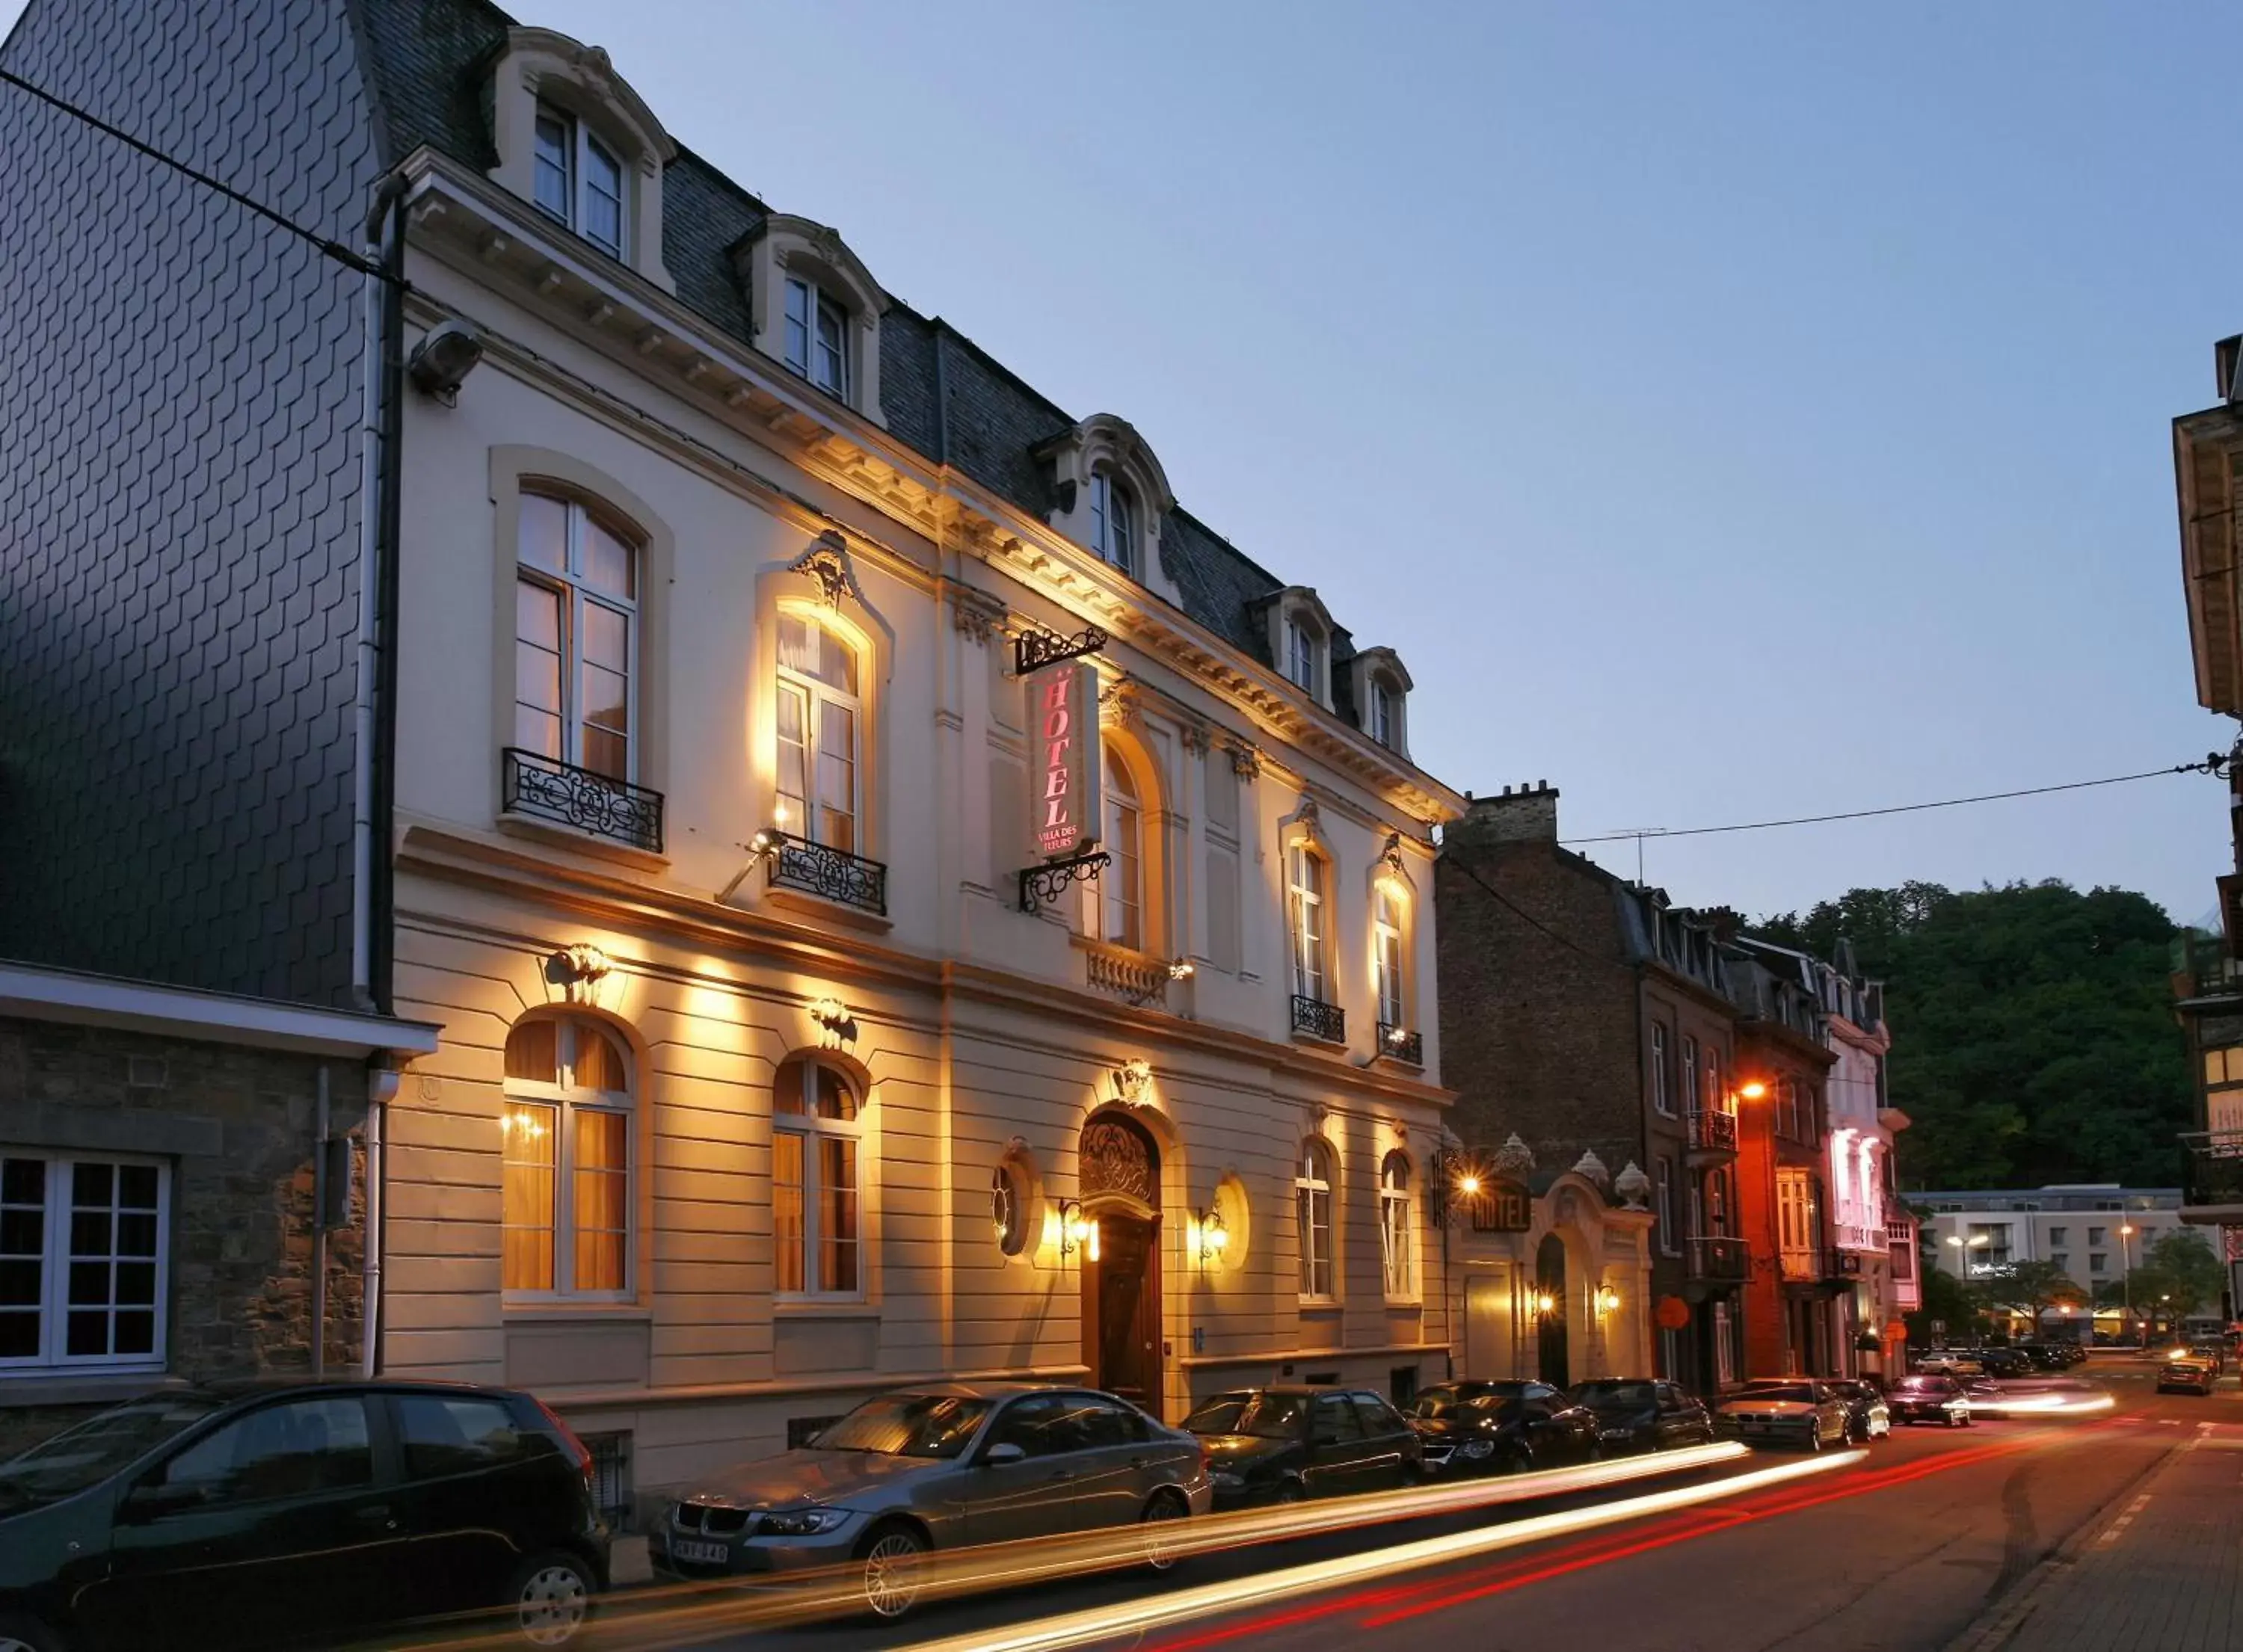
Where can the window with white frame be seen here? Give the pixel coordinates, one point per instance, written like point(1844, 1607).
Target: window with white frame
point(83, 1261)
point(1386, 955)
point(1303, 654)
point(1663, 1188)
point(575, 636)
point(820, 733)
point(817, 336)
point(1690, 1072)
point(1305, 905)
point(1120, 889)
point(1312, 1219)
point(817, 1198)
point(1662, 1094)
point(1795, 1215)
point(579, 179)
point(1397, 1238)
point(1717, 1100)
point(1385, 718)
point(567, 1160)
point(1112, 521)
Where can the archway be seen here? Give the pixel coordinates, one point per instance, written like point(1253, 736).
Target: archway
point(1550, 1288)
point(1119, 1176)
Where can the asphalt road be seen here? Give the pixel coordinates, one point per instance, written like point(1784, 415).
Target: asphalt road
point(1895, 1550)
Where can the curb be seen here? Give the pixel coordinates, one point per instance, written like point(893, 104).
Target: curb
point(1998, 1623)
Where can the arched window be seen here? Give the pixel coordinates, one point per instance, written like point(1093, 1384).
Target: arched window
point(817, 1211)
point(575, 636)
point(1122, 885)
point(1313, 1217)
point(567, 1160)
point(1112, 521)
point(820, 733)
point(1305, 914)
point(1397, 1238)
point(1387, 958)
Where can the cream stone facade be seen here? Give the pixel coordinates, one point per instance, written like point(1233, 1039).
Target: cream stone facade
point(1084, 1142)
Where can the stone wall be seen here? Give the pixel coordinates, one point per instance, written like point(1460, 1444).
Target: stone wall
point(237, 1126)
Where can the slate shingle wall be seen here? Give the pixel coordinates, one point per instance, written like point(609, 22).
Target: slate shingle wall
point(178, 525)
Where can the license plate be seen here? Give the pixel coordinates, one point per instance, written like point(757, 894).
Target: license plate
point(683, 1548)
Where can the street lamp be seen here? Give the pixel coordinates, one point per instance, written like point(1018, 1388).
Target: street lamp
point(2126, 1265)
point(1963, 1249)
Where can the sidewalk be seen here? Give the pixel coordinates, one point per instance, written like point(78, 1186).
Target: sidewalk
point(2165, 1574)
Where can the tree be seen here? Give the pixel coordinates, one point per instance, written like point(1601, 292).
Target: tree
point(1947, 1303)
point(2180, 1274)
point(2030, 1288)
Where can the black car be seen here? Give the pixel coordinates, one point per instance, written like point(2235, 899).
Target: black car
point(199, 1518)
point(1278, 1445)
point(2045, 1356)
point(2006, 1362)
point(1503, 1428)
point(1927, 1398)
point(1640, 1414)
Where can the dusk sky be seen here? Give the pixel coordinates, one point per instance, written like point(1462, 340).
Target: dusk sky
point(1727, 412)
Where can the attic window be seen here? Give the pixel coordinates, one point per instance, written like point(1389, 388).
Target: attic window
point(1385, 713)
point(1113, 520)
point(579, 180)
point(817, 337)
point(1303, 648)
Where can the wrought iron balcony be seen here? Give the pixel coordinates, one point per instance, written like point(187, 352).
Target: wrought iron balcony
point(1713, 1131)
point(1725, 1261)
point(2215, 1167)
point(546, 789)
point(1314, 1019)
point(1402, 1044)
point(817, 869)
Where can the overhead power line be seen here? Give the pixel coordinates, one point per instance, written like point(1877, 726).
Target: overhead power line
point(2211, 764)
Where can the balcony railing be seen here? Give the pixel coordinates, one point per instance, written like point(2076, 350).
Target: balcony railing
point(1402, 1044)
point(2215, 1167)
point(1719, 1260)
point(831, 874)
point(546, 789)
point(1713, 1131)
point(1314, 1019)
point(1124, 974)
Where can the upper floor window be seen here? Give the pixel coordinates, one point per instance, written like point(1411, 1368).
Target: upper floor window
point(83, 1262)
point(1386, 956)
point(817, 337)
point(1121, 888)
point(1663, 1186)
point(1717, 1100)
point(578, 179)
point(1305, 905)
point(820, 733)
point(1303, 645)
point(575, 637)
point(1690, 1071)
point(1112, 521)
point(1662, 1094)
point(1312, 1219)
point(816, 1209)
point(1397, 1237)
point(1385, 716)
point(566, 1160)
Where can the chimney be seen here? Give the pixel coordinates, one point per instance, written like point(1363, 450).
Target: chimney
point(2224, 359)
point(1520, 813)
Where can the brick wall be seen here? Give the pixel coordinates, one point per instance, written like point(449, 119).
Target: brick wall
point(236, 1126)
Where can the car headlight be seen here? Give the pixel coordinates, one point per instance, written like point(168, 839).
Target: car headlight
point(801, 1522)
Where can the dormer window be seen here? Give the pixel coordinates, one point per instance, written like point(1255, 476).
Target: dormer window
point(1384, 724)
point(579, 179)
point(1381, 689)
point(1113, 523)
point(1301, 634)
point(817, 337)
point(1302, 645)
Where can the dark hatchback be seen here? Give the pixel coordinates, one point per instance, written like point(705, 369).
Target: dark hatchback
point(1502, 1427)
point(1640, 1414)
point(1279, 1445)
point(301, 1515)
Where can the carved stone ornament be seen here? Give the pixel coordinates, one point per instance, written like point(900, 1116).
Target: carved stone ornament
point(1515, 1158)
point(1589, 1167)
point(1195, 735)
point(1245, 761)
point(826, 563)
point(1390, 853)
point(1117, 1158)
point(578, 970)
point(1118, 701)
point(1130, 1079)
point(1633, 1185)
point(978, 616)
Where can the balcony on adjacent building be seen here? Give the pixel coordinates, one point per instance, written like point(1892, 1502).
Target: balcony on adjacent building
point(535, 787)
point(1402, 1044)
point(1711, 1132)
point(791, 863)
point(1718, 1260)
point(2214, 1192)
point(1900, 1249)
point(1314, 1019)
point(1862, 1236)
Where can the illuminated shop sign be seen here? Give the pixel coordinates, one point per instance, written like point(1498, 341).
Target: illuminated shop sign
point(1063, 713)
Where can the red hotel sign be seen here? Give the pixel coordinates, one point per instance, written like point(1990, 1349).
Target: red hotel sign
point(1063, 713)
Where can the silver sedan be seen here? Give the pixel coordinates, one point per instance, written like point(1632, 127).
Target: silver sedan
point(941, 1467)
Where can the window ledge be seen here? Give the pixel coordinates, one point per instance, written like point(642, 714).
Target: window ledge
point(813, 1308)
point(583, 842)
point(52, 1387)
point(1324, 1305)
point(566, 1313)
point(824, 912)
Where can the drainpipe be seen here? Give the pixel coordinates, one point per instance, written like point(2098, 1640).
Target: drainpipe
point(382, 1085)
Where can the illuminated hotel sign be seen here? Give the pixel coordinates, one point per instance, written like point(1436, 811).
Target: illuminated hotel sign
point(1063, 714)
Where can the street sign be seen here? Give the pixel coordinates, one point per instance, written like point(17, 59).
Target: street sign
point(1939, 1327)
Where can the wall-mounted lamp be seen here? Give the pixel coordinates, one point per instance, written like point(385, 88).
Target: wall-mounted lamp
point(1545, 1303)
point(1753, 1090)
point(1468, 1185)
point(1179, 970)
point(1210, 1238)
point(441, 361)
point(1607, 1299)
point(1076, 1231)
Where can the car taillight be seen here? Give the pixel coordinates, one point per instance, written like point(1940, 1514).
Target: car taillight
point(583, 1452)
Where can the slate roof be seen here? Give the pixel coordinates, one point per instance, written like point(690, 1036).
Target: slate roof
point(429, 66)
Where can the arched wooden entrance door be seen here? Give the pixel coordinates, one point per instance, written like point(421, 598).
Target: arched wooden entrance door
point(1550, 1287)
point(1121, 1179)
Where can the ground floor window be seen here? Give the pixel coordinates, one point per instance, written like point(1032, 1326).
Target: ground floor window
point(82, 1261)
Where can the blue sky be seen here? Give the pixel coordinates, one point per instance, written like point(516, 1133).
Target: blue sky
point(1728, 412)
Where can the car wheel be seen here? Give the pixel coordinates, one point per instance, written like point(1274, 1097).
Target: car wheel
point(1289, 1491)
point(28, 1635)
point(551, 1596)
point(1815, 1437)
point(1160, 1509)
point(891, 1555)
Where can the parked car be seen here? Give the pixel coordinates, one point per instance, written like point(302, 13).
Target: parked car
point(1947, 1362)
point(937, 1468)
point(1929, 1398)
point(2186, 1376)
point(1638, 1415)
point(1867, 1415)
point(1798, 1412)
point(2005, 1362)
point(2212, 1351)
point(2045, 1356)
point(196, 1517)
point(1501, 1427)
point(1278, 1445)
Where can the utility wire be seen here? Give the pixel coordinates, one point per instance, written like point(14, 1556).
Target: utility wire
point(1449, 858)
point(328, 245)
point(2209, 765)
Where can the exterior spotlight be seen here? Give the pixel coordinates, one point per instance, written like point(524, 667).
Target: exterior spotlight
point(442, 360)
point(1607, 1298)
point(1182, 970)
point(1468, 1185)
point(1753, 1090)
point(1544, 1303)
